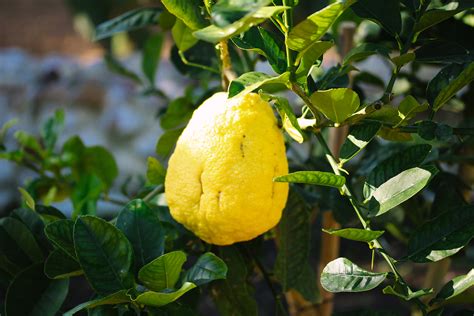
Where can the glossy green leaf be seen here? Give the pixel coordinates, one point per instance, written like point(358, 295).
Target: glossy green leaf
point(27, 198)
point(359, 136)
point(292, 265)
point(183, 36)
point(151, 56)
point(288, 118)
point(119, 297)
point(115, 66)
point(443, 52)
point(163, 272)
point(313, 177)
point(142, 227)
point(128, 21)
point(438, 15)
point(177, 114)
point(167, 141)
point(334, 77)
point(385, 13)
point(336, 104)
point(155, 172)
point(253, 80)
point(225, 12)
point(365, 50)
point(402, 60)
point(341, 275)
point(308, 57)
point(314, 26)
point(18, 243)
point(60, 233)
point(35, 225)
point(188, 11)
point(356, 234)
point(404, 292)
point(264, 43)
point(207, 268)
point(59, 265)
point(408, 158)
point(49, 213)
point(398, 189)
point(215, 33)
point(158, 299)
point(448, 82)
point(443, 236)
point(409, 107)
point(104, 254)
point(32, 293)
point(85, 195)
point(455, 287)
point(101, 162)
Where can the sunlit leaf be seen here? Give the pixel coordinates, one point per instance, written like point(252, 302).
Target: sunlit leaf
point(336, 104)
point(188, 11)
point(158, 299)
point(112, 299)
point(455, 287)
point(183, 36)
point(252, 80)
point(313, 177)
point(386, 13)
point(359, 136)
point(356, 234)
point(207, 268)
point(163, 272)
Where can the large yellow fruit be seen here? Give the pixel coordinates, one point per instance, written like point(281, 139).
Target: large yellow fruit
point(219, 179)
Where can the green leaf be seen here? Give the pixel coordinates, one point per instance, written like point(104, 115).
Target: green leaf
point(455, 287)
point(253, 80)
point(18, 243)
point(359, 136)
point(116, 298)
point(183, 36)
point(151, 56)
point(155, 172)
point(438, 15)
point(35, 225)
point(60, 265)
point(335, 77)
point(142, 227)
point(226, 12)
point(398, 189)
point(308, 57)
point(234, 296)
point(101, 162)
point(313, 177)
point(408, 158)
point(104, 254)
point(402, 60)
point(128, 21)
point(29, 201)
point(163, 272)
point(314, 26)
point(32, 293)
point(115, 66)
point(86, 194)
point(51, 129)
point(355, 233)
point(365, 50)
point(177, 114)
point(29, 142)
point(188, 11)
point(167, 141)
point(336, 104)
point(409, 107)
point(60, 233)
point(341, 275)
point(263, 42)
point(443, 236)
point(4, 130)
point(156, 299)
point(49, 213)
point(385, 13)
point(443, 52)
point(207, 268)
point(288, 118)
point(404, 292)
point(292, 265)
point(448, 82)
point(214, 33)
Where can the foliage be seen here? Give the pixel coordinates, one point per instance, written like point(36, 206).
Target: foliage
point(391, 183)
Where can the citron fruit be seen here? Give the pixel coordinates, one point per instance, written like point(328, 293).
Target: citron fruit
point(219, 179)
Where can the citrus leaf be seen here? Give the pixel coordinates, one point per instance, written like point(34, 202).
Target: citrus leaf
point(157, 299)
point(51, 128)
point(128, 21)
point(409, 107)
point(355, 233)
point(408, 158)
point(252, 80)
point(115, 66)
point(314, 26)
point(341, 275)
point(44, 296)
point(313, 177)
point(398, 189)
point(443, 52)
point(59, 265)
point(143, 229)
point(27, 198)
point(35, 225)
point(336, 104)
point(365, 50)
point(292, 266)
point(104, 254)
point(155, 172)
point(308, 57)
point(188, 11)
point(163, 272)
point(443, 236)
point(455, 287)
point(183, 36)
point(264, 43)
point(214, 33)
point(207, 268)
point(438, 15)
point(167, 141)
point(226, 12)
point(60, 233)
point(359, 136)
point(101, 162)
point(385, 13)
point(151, 56)
point(402, 60)
point(112, 299)
point(404, 292)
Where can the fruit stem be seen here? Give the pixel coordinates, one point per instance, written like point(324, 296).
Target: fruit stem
point(227, 74)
